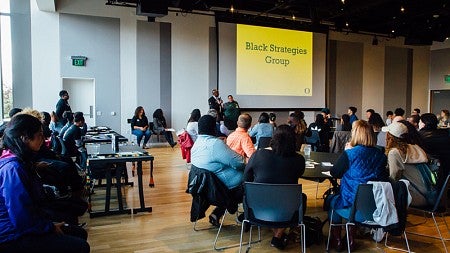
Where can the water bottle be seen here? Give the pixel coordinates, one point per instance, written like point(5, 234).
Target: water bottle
point(307, 150)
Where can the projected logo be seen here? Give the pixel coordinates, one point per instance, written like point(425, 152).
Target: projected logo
point(272, 61)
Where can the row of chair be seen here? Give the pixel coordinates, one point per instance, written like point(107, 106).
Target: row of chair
point(280, 205)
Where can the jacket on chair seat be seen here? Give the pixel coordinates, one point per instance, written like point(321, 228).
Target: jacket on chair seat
point(207, 189)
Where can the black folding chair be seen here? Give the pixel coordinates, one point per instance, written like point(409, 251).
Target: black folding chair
point(439, 208)
point(274, 206)
point(365, 206)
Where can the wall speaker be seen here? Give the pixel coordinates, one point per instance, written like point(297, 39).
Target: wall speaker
point(152, 8)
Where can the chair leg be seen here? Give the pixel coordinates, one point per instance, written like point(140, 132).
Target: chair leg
point(439, 231)
point(303, 237)
point(394, 248)
point(329, 231)
point(233, 245)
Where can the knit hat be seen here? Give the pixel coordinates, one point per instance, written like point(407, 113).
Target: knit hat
point(207, 125)
point(396, 129)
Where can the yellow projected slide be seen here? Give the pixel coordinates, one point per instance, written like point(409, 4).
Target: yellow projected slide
point(271, 61)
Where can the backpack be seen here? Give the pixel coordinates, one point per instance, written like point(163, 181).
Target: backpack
point(429, 183)
point(313, 231)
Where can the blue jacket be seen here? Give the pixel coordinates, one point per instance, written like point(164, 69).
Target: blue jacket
point(211, 153)
point(358, 165)
point(19, 214)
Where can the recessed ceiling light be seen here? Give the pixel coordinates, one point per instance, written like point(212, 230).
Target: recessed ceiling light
point(435, 15)
point(402, 9)
point(346, 24)
point(231, 8)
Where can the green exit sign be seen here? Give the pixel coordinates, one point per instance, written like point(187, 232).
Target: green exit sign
point(447, 79)
point(79, 60)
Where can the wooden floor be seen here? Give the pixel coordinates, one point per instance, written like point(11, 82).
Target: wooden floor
point(168, 229)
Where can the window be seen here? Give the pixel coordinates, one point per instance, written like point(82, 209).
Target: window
point(6, 59)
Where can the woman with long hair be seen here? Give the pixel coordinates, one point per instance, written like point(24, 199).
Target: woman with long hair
point(345, 123)
point(140, 127)
point(160, 125)
point(192, 125)
point(25, 227)
point(403, 155)
point(361, 162)
point(279, 165)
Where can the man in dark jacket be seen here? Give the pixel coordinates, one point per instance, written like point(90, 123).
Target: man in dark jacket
point(436, 144)
point(62, 105)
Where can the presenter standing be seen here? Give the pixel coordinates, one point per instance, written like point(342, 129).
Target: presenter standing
point(216, 103)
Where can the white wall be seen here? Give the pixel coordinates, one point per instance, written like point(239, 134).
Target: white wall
point(190, 65)
point(45, 50)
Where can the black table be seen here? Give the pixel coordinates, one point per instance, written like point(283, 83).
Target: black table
point(105, 158)
point(102, 137)
point(315, 174)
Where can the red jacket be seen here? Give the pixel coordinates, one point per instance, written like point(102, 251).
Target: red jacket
point(186, 144)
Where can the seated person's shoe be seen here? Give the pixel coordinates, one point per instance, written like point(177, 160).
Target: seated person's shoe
point(279, 243)
point(214, 220)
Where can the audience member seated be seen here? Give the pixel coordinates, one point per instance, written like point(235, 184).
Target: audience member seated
point(414, 120)
point(55, 124)
point(279, 165)
point(377, 122)
point(326, 113)
point(389, 117)
point(369, 113)
point(211, 153)
point(345, 123)
point(399, 112)
point(323, 130)
point(68, 117)
point(239, 140)
point(416, 111)
point(140, 126)
point(11, 113)
point(262, 129)
point(436, 143)
point(403, 155)
point(46, 119)
point(221, 130)
point(351, 112)
point(360, 163)
point(160, 126)
point(192, 125)
point(297, 122)
point(272, 119)
point(73, 139)
point(25, 228)
point(444, 120)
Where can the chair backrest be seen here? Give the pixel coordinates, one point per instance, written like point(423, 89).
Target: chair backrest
point(273, 203)
point(442, 199)
point(364, 203)
point(264, 142)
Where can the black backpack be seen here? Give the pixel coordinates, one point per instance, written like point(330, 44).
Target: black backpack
point(313, 231)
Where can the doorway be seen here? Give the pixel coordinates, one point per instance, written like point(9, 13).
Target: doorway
point(82, 97)
point(440, 99)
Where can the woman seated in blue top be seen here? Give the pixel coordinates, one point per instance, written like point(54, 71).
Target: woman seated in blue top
point(140, 127)
point(24, 226)
point(361, 162)
point(262, 129)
